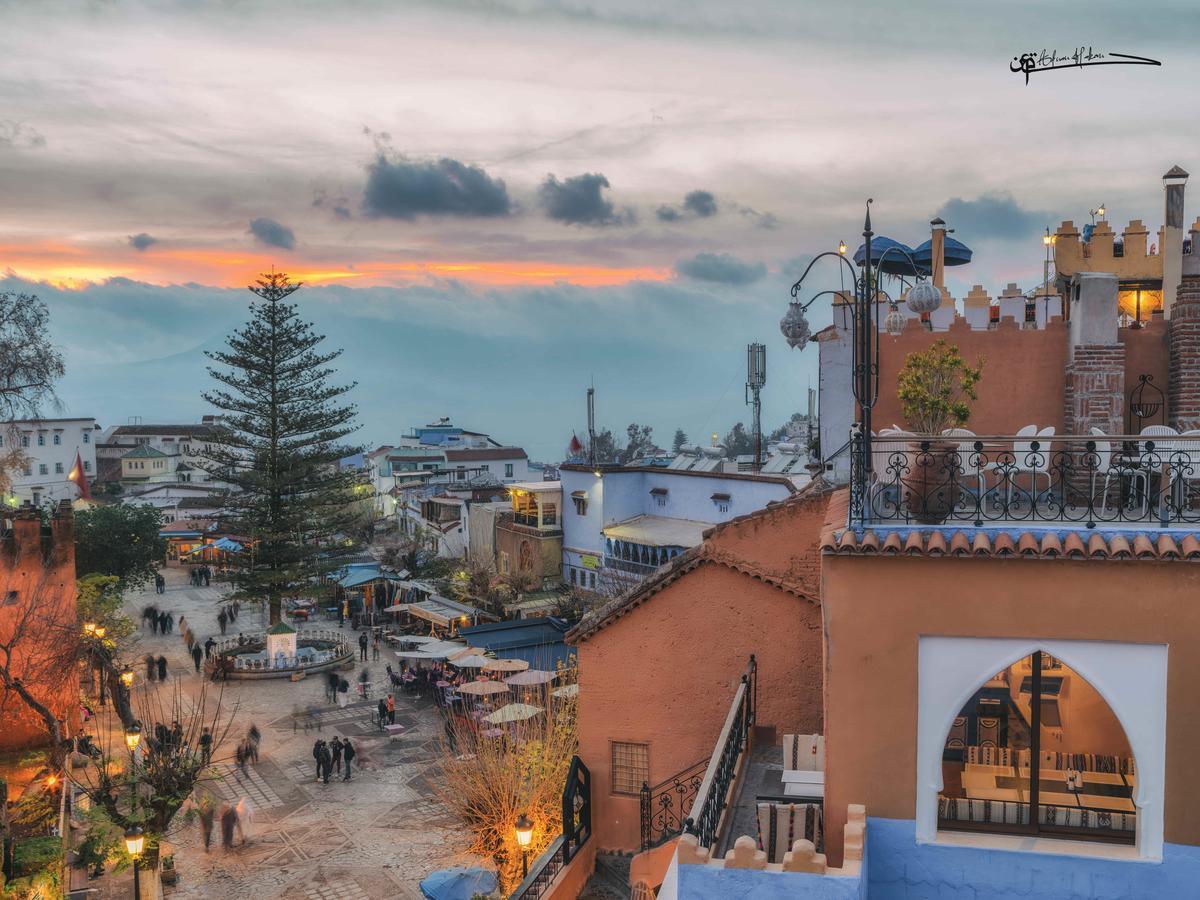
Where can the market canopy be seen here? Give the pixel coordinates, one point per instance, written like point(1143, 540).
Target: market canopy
point(658, 531)
point(439, 650)
point(482, 688)
point(513, 712)
point(569, 690)
point(531, 677)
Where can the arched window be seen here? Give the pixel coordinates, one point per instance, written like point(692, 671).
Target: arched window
point(1037, 750)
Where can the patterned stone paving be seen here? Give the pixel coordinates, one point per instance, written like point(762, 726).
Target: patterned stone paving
point(375, 836)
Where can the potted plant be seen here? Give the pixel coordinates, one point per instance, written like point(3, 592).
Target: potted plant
point(936, 388)
point(168, 874)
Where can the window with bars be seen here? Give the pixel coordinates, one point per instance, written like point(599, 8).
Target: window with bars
point(630, 767)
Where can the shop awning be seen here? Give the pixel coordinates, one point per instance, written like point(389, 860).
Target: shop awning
point(659, 531)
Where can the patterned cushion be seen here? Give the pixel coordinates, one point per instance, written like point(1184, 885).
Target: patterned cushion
point(804, 752)
point(782, 824)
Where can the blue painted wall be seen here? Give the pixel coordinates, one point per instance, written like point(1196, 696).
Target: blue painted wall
point(900, 869)
point(710, 883)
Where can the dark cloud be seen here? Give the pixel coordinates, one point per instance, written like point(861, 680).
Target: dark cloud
point(992, 215)
point(701, 204)
point(580, 200)
point(400, 188)
point(668, 214)
point(720, 268)
point(339, 206)
point(271, 233)
point(141, 241)
point(766, 220)
point(16, 134)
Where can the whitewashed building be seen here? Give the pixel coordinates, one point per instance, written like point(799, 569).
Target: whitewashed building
point(49, 448)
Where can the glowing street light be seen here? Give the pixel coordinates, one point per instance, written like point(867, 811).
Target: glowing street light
point(127, 677)
point(135, 840)
point(133, 736)
point(524, 829)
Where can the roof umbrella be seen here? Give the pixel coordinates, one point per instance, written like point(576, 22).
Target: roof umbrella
point(506, 665)
point(567, 690)
point(531, 677)
point(896, 262)
point(470, 661)
point(483, 688)
point(513, 712)
point(957, 254)
point(458, 884)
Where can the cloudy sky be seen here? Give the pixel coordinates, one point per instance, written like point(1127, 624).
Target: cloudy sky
point(495, 202)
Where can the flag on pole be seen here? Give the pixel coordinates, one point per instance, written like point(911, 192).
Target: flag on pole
point(80, 478)
point(576, 446)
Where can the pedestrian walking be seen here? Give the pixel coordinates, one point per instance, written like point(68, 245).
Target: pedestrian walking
point(348, 754)
point(206, 811)
point(326, 763)
point(151, 667)
point(253, 739)
point(375, 649)
point(207, 576)
point(222, 620)
point(170, 623)
point(331, 686)
point(208, 648)
point(162, 668)
point(197, 656)
point(391, 709)
point(362, 647)
point(205, 746)
point(317, 755)
point(153, 622)
point(343, 698)
point(239, 756)
point(228, 824)
point(245, 818)
point(336, 747)
point(237, 609)
point(176, 734)
point(381, 708)
point(160, 583)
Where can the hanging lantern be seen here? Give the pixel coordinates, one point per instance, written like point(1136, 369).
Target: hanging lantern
point(794, 326)
point(895, 322)
point(924, 297)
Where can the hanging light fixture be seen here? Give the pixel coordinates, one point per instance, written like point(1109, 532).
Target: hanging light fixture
point(794, 326)
point(923, 297)
point(895, 321)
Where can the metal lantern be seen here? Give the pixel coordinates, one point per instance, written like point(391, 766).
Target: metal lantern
point(924, 297)
point(794, 326)
point(895, 322)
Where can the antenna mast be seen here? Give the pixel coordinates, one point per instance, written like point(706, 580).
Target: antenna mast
point(756, 377)
point(591, 413)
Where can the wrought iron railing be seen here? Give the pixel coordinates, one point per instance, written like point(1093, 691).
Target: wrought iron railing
point(664, 807)
point(712, 797)
point(577, 829)
point(1151, 482)
point(628, 565)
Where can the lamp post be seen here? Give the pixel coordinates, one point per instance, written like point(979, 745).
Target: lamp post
point(1098, 211)
point(865, 322)
point(134, 841)
point(524, 829)
point(133, 736)
point(127, 677)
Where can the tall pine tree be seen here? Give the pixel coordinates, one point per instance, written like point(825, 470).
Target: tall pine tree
point(283, 431)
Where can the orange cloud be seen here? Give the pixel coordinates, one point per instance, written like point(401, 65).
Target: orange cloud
point(73, 265)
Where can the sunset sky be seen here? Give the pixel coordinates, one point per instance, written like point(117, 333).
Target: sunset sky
point(494, 202)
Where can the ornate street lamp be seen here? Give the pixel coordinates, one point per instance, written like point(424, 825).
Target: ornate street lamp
point(895, 321)
point(134, 842)
point(524, 829)
point(133, 736)
point(127, 677)
point(865, 322)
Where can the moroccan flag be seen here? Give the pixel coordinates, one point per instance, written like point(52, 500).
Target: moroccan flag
point(575, 447)
point(77, 475)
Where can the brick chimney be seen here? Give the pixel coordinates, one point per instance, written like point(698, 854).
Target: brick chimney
point(1172, 236)
point(1095, 382)
point(62, 530)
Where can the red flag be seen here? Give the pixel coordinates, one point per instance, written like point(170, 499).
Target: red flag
point(575, 447)
point(77, 475)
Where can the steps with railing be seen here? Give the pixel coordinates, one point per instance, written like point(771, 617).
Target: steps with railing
point(664, 807)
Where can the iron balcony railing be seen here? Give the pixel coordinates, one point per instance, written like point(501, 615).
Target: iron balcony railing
point(712, 797)
point(665, 806)
point(628, 565)
point(1087, 481)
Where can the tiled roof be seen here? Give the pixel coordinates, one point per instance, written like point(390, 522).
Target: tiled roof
point(999, 543)
point(171, 430)
point(143, 451)
point(662, 578)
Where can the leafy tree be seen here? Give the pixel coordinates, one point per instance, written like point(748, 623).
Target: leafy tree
point(936, 388)
point(119, 540)
point(781, 432)
point(639, 439)
point(680, 439)
point(283, 430)
point(607, 450)
point(98, 599)
point(739, 441)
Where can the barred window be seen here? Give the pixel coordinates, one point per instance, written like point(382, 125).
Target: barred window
point(630, 767)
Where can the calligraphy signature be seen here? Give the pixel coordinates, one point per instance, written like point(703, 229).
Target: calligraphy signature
point(1046, 60)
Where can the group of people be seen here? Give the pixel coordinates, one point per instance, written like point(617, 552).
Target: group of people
point(235, 821)
point(364, 642)
point(200, 576)
point(247, 748)
point(228, 613)
point(158, 620)
point(329, 755)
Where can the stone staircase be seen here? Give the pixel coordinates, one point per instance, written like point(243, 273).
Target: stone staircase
point(610, 881)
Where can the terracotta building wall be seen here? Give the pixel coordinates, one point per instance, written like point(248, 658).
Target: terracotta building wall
point(1023, 373)
point(875, 609)
point(1147, 352)
point(42, 566)
point(665, 673)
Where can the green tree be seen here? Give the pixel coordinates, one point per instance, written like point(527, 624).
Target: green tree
point(119, 540)
point(98, 599)
point(639, 438)
point(739, 441)
point(283, 433)
point(936, 388)
point(680, 440)
point(607, 450)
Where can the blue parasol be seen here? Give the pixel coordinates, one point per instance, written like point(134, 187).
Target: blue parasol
point(895, 264)
point(458, 883)
point(957, 254)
